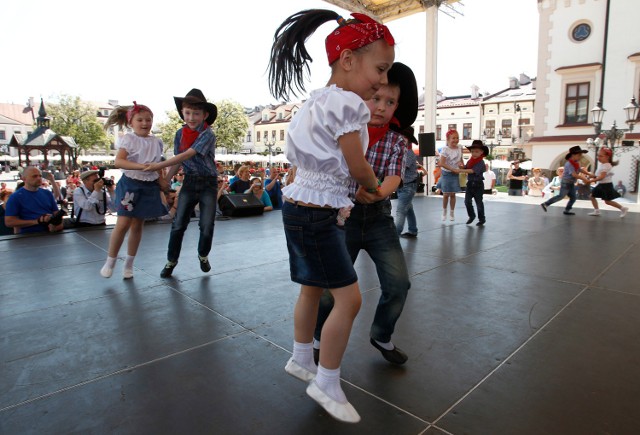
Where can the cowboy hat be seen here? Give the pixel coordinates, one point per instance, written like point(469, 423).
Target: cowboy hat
point(575, 150)
point(407, 111)
point(479, 145)
point(196, 97)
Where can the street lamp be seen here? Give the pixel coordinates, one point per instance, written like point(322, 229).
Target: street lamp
point(269, 144)
point(519, 121)
point(614, 134)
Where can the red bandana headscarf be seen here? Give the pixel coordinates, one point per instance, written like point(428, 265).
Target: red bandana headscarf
point(135, 109)
point(355, 35)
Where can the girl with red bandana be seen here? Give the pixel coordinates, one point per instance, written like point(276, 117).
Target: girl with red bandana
point(604, 190)
point(326, 143)
point(137, 191)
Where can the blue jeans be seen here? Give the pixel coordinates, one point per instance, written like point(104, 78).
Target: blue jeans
point(371, 227)
point(566, 188)
point(195, 190)
point(474, 191)
point(404, 208)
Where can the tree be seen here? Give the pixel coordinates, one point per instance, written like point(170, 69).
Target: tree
point(75, 118)
point(169, 128)
point(230, 126)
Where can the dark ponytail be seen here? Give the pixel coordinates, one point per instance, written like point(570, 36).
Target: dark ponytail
point(289, 58)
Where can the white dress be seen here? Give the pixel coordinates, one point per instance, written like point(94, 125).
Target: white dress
point(322, 175)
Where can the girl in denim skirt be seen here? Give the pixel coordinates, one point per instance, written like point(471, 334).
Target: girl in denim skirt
point(137, 192)
point(326, 143)
point(450, 160)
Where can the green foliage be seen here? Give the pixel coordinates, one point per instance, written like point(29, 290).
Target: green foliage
point(75, 118)
point(169, 128)
point(230, 126)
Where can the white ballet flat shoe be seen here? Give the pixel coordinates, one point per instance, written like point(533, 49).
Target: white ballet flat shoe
point(297, 371)
point(340, 411)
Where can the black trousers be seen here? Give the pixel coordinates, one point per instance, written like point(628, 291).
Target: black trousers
point(475, 190)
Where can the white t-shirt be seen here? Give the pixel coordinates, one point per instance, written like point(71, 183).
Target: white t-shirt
point(451, 157)
point(489, 176)
point(141, 150)
point(322, 175)
point(605, 167)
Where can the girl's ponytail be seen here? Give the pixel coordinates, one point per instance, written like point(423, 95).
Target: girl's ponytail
point(118, 117)
point(289, 58)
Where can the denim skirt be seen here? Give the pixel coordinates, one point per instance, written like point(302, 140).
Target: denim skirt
point(450, 182)
point(139, 199)
point(318, 254)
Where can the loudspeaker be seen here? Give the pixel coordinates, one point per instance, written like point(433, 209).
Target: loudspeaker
point(427, 142)
point(240, 205)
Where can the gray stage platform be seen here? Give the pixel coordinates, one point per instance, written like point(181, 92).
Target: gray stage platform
point(529, 325)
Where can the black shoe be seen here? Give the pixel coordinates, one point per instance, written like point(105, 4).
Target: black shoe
point(204, 264)
point(480, 223)
point(316, 356)
point(471, 219)
point(167, 271)
point(395, 356)
point(408, 235)
point(568, 213)
point(544, 207)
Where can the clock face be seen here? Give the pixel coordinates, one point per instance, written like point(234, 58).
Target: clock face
point(581, 32)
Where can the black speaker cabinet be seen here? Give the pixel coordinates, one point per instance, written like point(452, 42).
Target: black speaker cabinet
point(427, 143)
point(240, 205)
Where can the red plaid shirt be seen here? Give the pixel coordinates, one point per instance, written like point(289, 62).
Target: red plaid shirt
point(386, 157)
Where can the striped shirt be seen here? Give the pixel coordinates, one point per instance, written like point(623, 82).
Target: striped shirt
point(386, 157)
point(203, 163)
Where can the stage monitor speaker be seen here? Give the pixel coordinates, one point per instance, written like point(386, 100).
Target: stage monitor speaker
point(427, 143)
point(240, 205)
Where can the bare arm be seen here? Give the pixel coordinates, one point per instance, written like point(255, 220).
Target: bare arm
point(359, 168)
point(121, 161)
point(175, 160)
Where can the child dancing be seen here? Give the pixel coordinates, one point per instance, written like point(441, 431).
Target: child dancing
point(604, 190)
point(326, 143)
point(474, 169)
point(137, 192)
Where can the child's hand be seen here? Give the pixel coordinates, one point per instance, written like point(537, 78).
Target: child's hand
point(364, 197)
point(151, 167)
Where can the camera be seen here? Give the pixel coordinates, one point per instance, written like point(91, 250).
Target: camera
point(56, 218)
point(108, 182)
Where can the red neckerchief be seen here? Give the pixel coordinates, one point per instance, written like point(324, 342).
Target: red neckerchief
point(472, 162)
point(377, 133)
point(575, 164)
point(189, 137)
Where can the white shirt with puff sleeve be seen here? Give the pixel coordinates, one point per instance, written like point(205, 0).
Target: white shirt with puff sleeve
point(322, 175)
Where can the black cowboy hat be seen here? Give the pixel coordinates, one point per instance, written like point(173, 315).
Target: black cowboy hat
point(409, 133)
point(196, 97)
point(478, 144)
point(401, 75)
point(575, 150)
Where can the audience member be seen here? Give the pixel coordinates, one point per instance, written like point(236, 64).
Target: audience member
point(259, 192)
point(516, 176)
point(243, 182)
point(4, 196)
point(273, 187)
point(93, 200)
point(32, 209)
point(621, 188)
point(536, 183)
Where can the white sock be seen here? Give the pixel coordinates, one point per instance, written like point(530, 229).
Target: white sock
point(329, 382)
point(387, 346)
point(128, 263)
point(111, 262)
point(316, 344)
point(303, 355)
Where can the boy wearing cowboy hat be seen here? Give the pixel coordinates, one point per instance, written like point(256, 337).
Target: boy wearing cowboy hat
point(394, 107)
point(572, 172)
point(194, 149)
point(474, 168)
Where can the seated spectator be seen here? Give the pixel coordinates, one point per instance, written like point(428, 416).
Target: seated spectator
point(177, 180)
point(32, 209)
point(3, 186)
point(536, 183)
point(258, 192)
point(620, 188)
point(74, 177)
point(236, 168)
point(273, 187)
point(4, 196)
point(92, 201)
point(243, 182)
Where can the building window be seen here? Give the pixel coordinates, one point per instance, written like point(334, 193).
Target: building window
point(281, 134)
point(506, 128)
point(280, 115)
point(265, 117)
point(3, 135)
point(421, 130)
point(524, 121)
point(581, 32)
point(466, 131)
point(248, 136)
point(438, 132)
point(257, 136)
point(452, 127)
point(576, 103)
point(490, 129)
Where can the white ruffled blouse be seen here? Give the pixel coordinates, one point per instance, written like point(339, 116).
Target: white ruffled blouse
point(140, 149)
point(322, 175)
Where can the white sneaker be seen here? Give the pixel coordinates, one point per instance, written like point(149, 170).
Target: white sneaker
point(106, 271)
point(444, 215)
point(452, 216)
point(127, 273)
point(623, 211)
point(595, 213)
